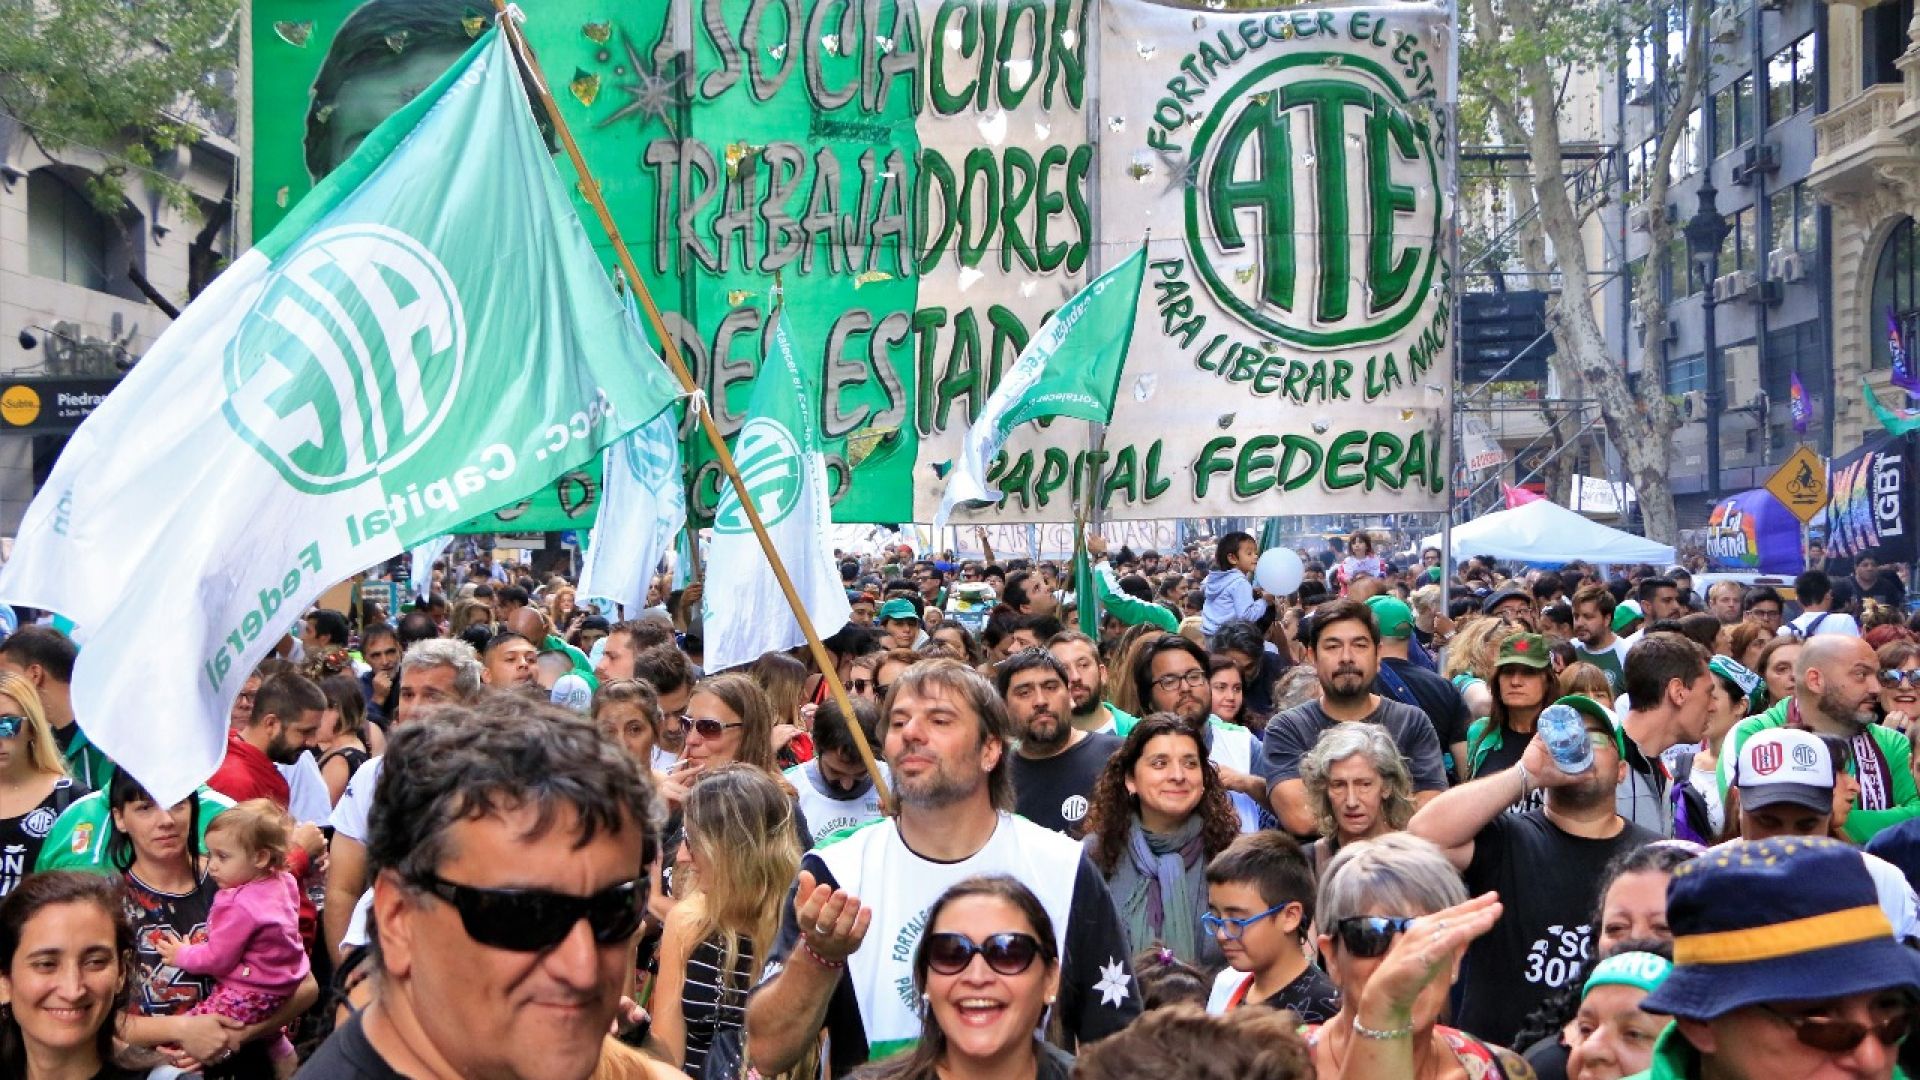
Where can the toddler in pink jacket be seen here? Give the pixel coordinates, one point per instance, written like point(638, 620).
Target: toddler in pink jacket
point(253, 948)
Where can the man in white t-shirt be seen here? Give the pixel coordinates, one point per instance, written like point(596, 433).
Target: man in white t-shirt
point(1814, 590)
point(849, 930)
point(433, 674)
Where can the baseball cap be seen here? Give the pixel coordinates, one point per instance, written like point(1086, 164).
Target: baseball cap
point(1625, 614)
point(897, 608)
point(1784, 766)
point(1526, 650)
point(1751, 685)
point(1393, 615)
point(1790, 918)
point(1598, 719)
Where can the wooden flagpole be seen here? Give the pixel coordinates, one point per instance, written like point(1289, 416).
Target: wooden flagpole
point(590, 188)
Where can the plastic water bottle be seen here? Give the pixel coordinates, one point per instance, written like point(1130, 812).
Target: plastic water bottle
point(1566, 734)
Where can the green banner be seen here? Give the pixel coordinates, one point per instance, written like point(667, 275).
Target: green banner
point(925, 181)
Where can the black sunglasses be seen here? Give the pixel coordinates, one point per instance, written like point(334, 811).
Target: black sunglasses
point(535, 920)
point(1367, 936)
point(1008, 954)
point(1833, 1036)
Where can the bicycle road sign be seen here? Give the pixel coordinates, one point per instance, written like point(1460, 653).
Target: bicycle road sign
point(1801, 484)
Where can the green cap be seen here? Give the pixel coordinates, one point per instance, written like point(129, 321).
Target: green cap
point(1642, 969)
point(897, 608)
point(1393, 615)
point(1593, 710)
point(1526, 650)
point(1625, 614)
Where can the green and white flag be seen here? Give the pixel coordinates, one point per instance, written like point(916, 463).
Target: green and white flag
point(420, 561)
point(1070, 368)
point(779, 456)
point(427, 336)
point(643, 503)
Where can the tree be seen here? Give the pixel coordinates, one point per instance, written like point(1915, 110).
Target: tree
point(1516, 56)
point(124, 80)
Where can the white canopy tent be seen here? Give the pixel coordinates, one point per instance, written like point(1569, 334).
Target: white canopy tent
point(1546, 532)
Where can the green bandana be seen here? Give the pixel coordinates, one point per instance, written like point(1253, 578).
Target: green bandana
point(1642, 969)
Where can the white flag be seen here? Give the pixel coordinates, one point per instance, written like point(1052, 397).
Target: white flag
point(429, 334)
point(643, 503)
point(779, 456)
point(422, 559)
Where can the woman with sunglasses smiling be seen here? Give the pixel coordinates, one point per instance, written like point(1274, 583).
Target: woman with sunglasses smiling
point(988, 971)
point(1900, 686)
point(34, 785)
point(1158, 815)
point(1394, 920)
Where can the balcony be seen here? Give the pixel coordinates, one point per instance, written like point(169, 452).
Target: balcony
point(1870, 141)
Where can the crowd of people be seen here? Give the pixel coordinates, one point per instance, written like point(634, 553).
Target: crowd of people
point(1514, 823)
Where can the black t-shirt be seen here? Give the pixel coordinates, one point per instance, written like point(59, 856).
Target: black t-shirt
point(1311, 996)
point(1886, 589)
point(347, 1055)
point(1504, 757)
point(1292, 733)
point(1054, 791)
point(159, 988)
point(1549, 883)
point(22, 837)
point(1431, 694)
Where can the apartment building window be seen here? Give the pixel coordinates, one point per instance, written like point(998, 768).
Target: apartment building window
point(1896, 291)
point(1723, 121)
point(1791, 210)
point(1883, 37)
point(1790, 80)
point(66, 236)
point(1688, 153)
point(1680, 275)
point(1739, 251)
point(1686, 373)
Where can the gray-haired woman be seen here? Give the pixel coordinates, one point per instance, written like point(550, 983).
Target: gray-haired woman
point(1393, 921)
point(1358, 787)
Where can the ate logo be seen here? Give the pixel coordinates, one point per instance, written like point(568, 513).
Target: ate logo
point(349, 359)
point(769, 460)
point(1315, 216)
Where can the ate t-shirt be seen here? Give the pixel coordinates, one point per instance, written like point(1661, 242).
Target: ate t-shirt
point(1054, 792)
point(1291, 734)
point(1549, 882)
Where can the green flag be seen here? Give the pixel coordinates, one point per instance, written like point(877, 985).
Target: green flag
point(1896, 423)
point(1084, 592)
point(1070, 368)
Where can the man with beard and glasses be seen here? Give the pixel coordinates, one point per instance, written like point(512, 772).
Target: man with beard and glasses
point(1343, 643)
point(1170, 674)
point(1086, 681)
point(1055, 764)
point(1545, 864)
point(849, 930)
point(1836, 682)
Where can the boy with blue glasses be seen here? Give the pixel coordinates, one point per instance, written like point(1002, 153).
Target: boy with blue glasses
point(1259, 909)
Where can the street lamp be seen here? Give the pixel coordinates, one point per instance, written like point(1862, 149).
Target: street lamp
point(1706, 231)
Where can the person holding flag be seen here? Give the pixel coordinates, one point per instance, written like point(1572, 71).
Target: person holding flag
point(330, 401)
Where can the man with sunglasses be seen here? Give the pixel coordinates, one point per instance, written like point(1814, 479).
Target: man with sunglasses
point(509, 851)
point(1342, 640)
point(1545, 864)
point(849, 930)
point(1784, 968)
point(1836, 681)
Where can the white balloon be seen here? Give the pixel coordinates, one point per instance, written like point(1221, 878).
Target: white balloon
point(1279, 572)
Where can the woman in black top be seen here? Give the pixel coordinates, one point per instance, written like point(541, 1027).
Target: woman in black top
point(342, 733)
point(64, 946)
point(34, 785)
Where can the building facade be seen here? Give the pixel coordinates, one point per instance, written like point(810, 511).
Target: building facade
point(1867, 175)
